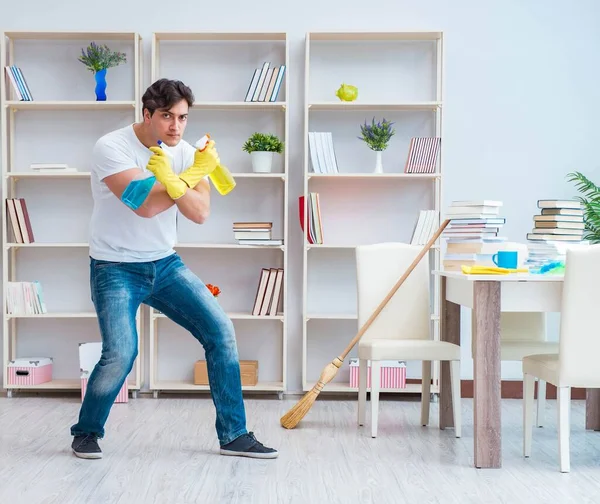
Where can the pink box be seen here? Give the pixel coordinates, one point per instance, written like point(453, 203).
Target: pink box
point(392, 376)
point(30, 371)
point(122, 397)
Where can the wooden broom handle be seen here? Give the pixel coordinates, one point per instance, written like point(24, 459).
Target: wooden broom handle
point(366, 325)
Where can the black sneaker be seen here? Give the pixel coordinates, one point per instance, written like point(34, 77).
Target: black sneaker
point(247, 446)
point(86, 447)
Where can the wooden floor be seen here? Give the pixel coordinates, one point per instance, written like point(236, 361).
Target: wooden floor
point(164, 451)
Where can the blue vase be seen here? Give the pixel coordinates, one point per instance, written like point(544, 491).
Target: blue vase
point(100, 77)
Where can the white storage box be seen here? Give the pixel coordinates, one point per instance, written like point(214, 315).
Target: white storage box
point(89, 355)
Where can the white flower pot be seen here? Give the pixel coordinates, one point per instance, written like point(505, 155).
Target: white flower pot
point(261, 161)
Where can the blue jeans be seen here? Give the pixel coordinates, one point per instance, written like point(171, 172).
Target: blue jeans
point(118, 289)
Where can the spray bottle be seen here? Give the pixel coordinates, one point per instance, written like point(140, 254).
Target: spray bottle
point(221, 177)
point(138, 189)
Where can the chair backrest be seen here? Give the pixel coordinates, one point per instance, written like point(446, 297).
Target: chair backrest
point(579, 345)
point(407, 314)
point(523, 326)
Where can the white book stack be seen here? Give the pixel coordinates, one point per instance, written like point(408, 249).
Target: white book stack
point(255, 233)
point(51, 168)
point(472, 236)
point(322, 153)
point(25, 298)
point(426, 226)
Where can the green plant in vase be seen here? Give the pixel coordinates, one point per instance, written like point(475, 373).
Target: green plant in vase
point(98, 59)
point(261, 147)
point(591, 205)
point(377, 136)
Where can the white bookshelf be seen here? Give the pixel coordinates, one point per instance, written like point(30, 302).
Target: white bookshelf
point(210, 250)
point(64, 108)
point(399, 78)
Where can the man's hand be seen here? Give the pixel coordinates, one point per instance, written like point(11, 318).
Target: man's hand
point(205, 162)
point(160, 165)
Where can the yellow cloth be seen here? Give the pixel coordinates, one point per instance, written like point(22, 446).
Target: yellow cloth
point(490, 270)
point(205, 162)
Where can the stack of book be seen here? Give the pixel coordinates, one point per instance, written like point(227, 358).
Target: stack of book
point(427, 225)
point(255, 233)
point(266, 83)
point(19, 220)
point(25, 298)
point(52, 168)
point(314, 229)
point(472, 236)
point(19, 84)
point(268, 293)
point(559, 226)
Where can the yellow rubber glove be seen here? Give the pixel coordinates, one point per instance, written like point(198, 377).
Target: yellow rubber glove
point(160, 165)
point(205, 162)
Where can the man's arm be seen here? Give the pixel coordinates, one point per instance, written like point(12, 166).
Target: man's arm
point(194, 204)
point(157, 201)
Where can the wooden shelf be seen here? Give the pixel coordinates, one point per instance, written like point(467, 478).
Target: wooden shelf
point(186, 386)
point(234, 246)
point(53, 315)
point(334, 246)
point(411, 96)
point(47, 245)
point(20, 147)
point(172, 50)
point(401, 176)
point(60, 175)
point(86, 175)
point(258, 175)
point(186, 36)
point(411, 388)
point(70, 35)
point(374, 36)
point(343, 316)
point(71, 105)
point(357, 105)
point(239, 105)
point(61, 384)
point(235, 316)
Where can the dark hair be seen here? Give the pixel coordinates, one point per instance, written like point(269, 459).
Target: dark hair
point(165, 93)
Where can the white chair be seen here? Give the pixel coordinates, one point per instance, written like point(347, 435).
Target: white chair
point(402, 330)
point(576, 364)
point(522, 334)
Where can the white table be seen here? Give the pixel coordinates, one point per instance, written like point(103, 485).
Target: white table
point(487, 296)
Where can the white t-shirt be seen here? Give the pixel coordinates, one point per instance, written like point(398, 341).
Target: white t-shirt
point(117, 233)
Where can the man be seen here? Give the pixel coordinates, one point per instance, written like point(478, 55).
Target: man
point(132, 261)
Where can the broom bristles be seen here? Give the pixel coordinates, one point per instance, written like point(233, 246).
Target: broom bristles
point(299, 411)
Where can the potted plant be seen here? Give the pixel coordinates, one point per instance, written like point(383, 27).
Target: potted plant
point(261, 147)
point(591, 205)
point(377, 136)
point(98, 59)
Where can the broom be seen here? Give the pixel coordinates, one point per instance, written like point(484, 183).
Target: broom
point(297, 413)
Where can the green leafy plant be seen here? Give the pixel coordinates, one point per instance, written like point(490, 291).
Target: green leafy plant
point(591, 205)
point(97, 58)
point(263, 142)
point(377, 135)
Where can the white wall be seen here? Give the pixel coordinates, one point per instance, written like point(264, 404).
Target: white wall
point(521, 91)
